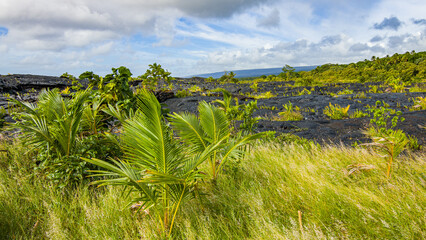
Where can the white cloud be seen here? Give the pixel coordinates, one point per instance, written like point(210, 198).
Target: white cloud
point(191, 36)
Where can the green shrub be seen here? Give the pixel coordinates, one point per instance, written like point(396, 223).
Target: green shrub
point(336, 111)
point(153, 75)
point(345, 91)
point(290, 113)
point(385, 139)
point(304, 92)
point(417, 88)
point(183, 93)
point(359, 114)
point(419, 103)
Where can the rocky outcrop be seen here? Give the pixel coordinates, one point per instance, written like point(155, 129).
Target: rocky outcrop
point(22, 83)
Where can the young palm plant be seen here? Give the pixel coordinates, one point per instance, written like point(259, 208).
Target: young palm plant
point(211, 128)
point(52, 127)
point(155, 169)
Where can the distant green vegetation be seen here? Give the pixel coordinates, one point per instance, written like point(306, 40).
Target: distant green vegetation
point(408, 67)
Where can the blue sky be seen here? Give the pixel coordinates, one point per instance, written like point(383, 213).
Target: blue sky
point(199, 36)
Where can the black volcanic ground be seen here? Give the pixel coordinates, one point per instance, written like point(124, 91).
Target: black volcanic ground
point(315, 125)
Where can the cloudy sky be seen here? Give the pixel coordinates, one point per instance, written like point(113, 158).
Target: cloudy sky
point(199, 36)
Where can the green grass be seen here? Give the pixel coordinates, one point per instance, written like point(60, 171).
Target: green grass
point(258, 198)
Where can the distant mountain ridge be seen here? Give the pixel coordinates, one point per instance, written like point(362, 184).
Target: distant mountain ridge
point(254, 72)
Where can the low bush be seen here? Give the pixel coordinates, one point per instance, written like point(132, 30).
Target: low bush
point(290, 113)
point(336, 111)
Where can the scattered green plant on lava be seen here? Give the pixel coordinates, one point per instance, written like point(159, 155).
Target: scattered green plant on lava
point(239, 112)
point(336, 111)
point(153, 75)
point(397, 85)
point(228, 77)
point(254, 86)
point(417, 88)
point(345, 92)
point(419, 103)
point(289, 113)
point(264, 95)
point(385, 138)
point(358, 113)
point(359, 96)
point(183, 93)
point(304, 92)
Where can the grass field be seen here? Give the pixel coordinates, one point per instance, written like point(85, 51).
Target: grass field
point(258, 198)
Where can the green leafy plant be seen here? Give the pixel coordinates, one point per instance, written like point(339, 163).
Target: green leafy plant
point(154, 74)
point(387, 140)
point(397, 85)
point(417, 88)
point(210, 128)
point(336, 111)
point(183, 93)
point(374, 89)
point(113, 87)
point(381, 116)
point(304, 92)
point(390, 143)
point(156, 170)
point(76, 85)
point(290, 113)
point(249, 122)
point(228, 77)
point(194, 88)
point(235, 111)
point(52, 128)
point(419, 104)
point(345, 91)
point(254, 87)
point(359, 114)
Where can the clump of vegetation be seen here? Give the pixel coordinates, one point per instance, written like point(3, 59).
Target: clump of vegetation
point(76, 85)
point(345, 92)
point(359, 114)
point(264, 95)
point(183, 93)
point(374, 89)
point(228, 77)
point(289, 113)
point(385, 138)
point(54, 129)
point(254, 86)
point(359, 96)
point(239, 112)
point(153, 75)
point(408, 68)
point(304, 92)
point(417, 88)
point(419, 104)
point(114, 87)
point(336, 111)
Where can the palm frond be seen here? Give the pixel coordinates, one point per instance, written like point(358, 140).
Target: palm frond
point(214, 121)
point(233, 148)
point(190, 130)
